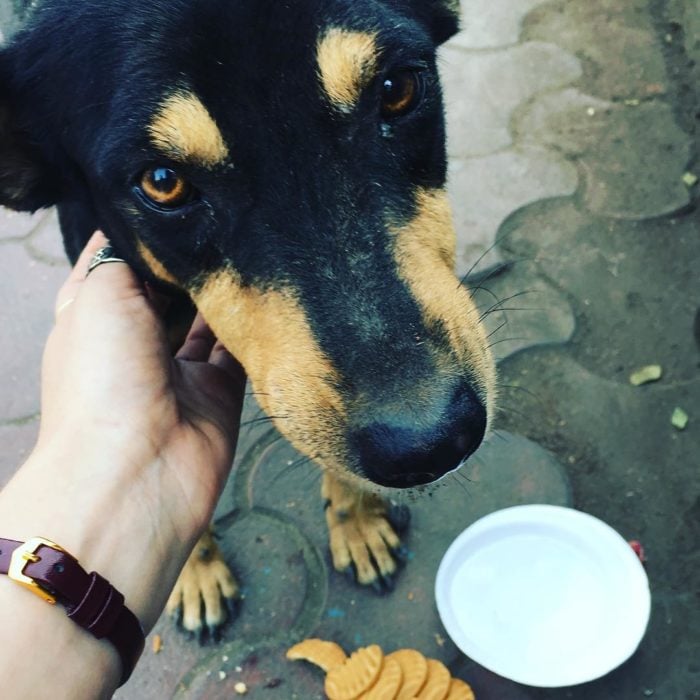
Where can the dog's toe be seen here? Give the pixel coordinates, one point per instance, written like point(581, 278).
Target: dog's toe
point(362, 544)
point(205, 596)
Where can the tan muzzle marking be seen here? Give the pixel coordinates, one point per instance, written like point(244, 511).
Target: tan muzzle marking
point(268, 332)
point(425, 255)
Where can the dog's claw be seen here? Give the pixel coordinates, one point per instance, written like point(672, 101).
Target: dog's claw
point(350, 574)
point(399, 517)
point(377, 587)
point(400, 554)
point(202, 636)
point(176, 616)
point(232, 606)
point(389, 582)
point(214, 632)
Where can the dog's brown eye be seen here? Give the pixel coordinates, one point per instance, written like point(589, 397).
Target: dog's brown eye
point(166, 188)
point(401, 91)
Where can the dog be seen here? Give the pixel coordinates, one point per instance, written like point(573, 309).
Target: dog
point(280, 166)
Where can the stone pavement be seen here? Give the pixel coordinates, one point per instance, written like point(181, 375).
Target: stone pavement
point(572, 124)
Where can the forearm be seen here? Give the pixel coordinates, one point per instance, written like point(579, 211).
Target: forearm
point(105, 527)
point(46, 656)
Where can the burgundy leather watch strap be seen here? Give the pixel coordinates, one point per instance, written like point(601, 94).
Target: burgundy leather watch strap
point(90, 600)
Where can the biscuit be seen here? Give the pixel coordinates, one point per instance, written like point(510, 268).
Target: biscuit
point(326, 655)
point(367, 674)
point(387, 684)
point(415, 671)
point(438, 684)
point(356, 675)
point(459, 690)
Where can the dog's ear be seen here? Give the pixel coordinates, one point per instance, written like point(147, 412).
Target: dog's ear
point(441, 16)
point(26, 180)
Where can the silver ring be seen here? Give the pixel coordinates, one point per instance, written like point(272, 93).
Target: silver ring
point(103, 255)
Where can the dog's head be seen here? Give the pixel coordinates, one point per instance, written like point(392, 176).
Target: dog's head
point(283, 164)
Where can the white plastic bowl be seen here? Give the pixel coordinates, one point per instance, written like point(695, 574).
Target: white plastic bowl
point(543, 595)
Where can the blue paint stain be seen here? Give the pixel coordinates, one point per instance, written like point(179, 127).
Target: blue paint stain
point(358, 640)
point(335, 613)
point(267, 570)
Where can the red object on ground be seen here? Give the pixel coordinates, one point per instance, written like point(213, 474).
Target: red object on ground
point(638, 550)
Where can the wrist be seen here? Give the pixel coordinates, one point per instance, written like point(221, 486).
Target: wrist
point(109, 526)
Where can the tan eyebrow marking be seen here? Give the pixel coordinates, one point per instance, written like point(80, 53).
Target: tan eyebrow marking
point(347, 61)
point(183, 129)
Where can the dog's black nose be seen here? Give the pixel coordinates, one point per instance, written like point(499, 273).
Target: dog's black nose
point(406, 451)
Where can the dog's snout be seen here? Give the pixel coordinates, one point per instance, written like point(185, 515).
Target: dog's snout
point(409, 449)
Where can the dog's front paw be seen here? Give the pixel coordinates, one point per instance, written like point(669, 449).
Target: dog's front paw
point(205, 596)
point(363, 534)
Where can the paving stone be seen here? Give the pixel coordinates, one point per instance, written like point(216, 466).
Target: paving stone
point(620, 181)
point(485, 191)
point(46, 243)
point(17, 442)
point(615, 41)
point(523, 310)
point(646, 284)
point(264, 670)
point(28, 289)
point(15, 225)
point(482, 90)
point(492, 23)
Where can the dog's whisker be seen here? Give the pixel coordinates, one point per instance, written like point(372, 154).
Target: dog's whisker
point(506, 340)
point(496, 242)
point(481, 277)
point(498, 328)
point(288, 468)
point(263, 419)
point(461, 484)
point(312, 477)
point(505, 410)
point(521, 388)
point(494, 307)
point(474, 290)
point(515, 308)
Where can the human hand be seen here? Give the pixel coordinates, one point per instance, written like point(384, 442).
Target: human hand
point(134, 446)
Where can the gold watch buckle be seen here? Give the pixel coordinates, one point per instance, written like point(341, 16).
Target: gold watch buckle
point(26, 554)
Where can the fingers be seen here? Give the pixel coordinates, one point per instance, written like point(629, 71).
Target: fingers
point(69, 291)
point(199, 342)
point(201, 345)
point(113, 280)
point(223, 359)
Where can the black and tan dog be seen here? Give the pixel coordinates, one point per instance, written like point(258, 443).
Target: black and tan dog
point(281, 164)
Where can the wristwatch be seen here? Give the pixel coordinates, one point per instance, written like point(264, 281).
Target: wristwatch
point(50, 572)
